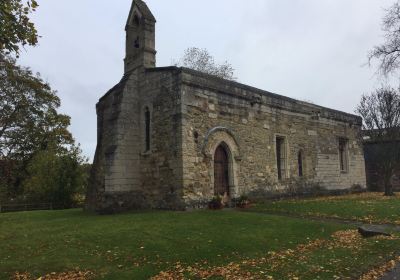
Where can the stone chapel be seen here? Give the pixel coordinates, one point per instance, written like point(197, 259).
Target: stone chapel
point(173, 138)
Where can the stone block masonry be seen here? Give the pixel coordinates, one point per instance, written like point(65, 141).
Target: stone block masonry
point(252, 120)
point(173, 138)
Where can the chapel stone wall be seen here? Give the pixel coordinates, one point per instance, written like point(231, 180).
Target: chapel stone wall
point(127, 175)
point(161, 168)
point(249, 120)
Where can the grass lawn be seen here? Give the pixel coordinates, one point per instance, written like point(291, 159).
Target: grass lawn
point(184, 245)
point(367, 207)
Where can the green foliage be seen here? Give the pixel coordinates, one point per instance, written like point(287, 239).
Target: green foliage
point(243, 201)
point(7, 177)
point(54, 178)
point(38, 157)
point(39, 161)
point(15, 26)
point(29, 120)
point(216, 203)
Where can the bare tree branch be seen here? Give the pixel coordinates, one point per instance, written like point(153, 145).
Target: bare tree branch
point(380, 111)
point(388, 53)
point(201, 60)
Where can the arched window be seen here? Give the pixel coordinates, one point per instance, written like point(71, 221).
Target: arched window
point(147, 121)
point(300, 163)
point(137, 42)
point(136, 20)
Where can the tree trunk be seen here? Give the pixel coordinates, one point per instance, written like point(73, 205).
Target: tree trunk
point(388, 188)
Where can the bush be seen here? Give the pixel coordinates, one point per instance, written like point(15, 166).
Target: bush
point(54, 178)
point(243, 201)
point(216, 203)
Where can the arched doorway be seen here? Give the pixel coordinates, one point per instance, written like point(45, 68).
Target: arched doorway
point(224, 137)
point(221, 171)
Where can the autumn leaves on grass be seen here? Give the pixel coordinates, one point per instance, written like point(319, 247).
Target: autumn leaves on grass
point(371, 208)
point(284, 263)
point(70, 275)
point(267, 266)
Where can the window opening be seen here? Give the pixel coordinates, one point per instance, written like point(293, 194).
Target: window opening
point(281, 157)
point(136, 20)
point(343, 155)
point(147, 128)
point(137, 42)
point(300, 163)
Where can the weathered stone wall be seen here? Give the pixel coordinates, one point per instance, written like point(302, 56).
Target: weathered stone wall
point(161, 169)
point(125, 175)
point(191, 115)
point(104, 172)
point(248, 120)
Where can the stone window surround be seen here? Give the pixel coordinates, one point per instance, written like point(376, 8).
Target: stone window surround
point(144, 149)
point(345, 155)
point(287, 155)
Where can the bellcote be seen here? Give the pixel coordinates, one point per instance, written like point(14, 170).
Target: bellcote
point(140, 37)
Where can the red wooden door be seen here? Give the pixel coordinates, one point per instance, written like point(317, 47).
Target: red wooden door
point(221, 172)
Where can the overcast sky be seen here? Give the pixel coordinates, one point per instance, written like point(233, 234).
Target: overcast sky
point(312, 50)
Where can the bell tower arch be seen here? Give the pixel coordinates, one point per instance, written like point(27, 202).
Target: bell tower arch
point(140, 37)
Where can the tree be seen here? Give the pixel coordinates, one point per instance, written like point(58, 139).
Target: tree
point(7, 178)
point(29, 120)
point(380, 111)
point(388, 53)
point(39, 160)
point(15, 26)
point(33, 135)
point(201, 60)
point(54, 177)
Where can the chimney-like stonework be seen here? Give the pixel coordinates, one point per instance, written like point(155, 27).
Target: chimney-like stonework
point(140, 37)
